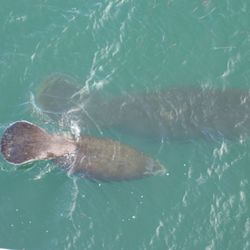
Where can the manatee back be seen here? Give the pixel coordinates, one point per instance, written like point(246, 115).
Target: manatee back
point(108, 160)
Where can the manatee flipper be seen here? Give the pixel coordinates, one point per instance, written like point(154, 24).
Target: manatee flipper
point(24, 142)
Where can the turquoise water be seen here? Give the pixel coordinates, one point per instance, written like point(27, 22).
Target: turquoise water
point(127, 46)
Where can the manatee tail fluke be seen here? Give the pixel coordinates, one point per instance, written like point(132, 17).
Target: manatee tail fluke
point(57, 94)
point(24, 142)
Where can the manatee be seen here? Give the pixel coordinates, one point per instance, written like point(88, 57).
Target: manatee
point(96, 158)
point(177, 113)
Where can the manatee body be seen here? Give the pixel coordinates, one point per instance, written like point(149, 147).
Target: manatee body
point(174, 113)
point(108, 160)
point(96, 158)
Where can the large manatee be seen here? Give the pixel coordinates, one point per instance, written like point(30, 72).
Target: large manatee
point(172, 113)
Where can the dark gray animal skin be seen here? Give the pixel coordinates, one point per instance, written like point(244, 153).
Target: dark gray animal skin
point(96, 158)
point(180, 113)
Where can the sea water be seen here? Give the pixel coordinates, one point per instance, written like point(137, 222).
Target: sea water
point(126, 46)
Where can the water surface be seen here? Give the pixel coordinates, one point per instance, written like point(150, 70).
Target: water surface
point(122, 47)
